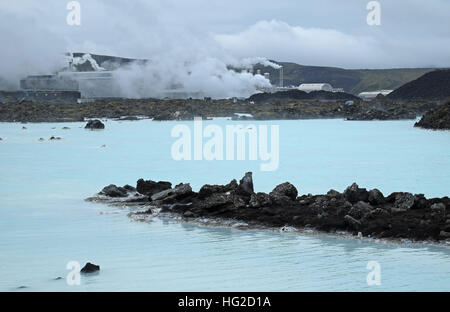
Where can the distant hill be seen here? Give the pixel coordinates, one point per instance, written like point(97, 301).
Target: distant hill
point(351, 80)
point(434, 85)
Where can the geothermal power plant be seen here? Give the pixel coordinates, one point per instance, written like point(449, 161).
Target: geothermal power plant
point(87, 77)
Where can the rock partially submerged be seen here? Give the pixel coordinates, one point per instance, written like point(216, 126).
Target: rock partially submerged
point(118, 194)
point(94, 125)
point(90, 268)
point(357, 210)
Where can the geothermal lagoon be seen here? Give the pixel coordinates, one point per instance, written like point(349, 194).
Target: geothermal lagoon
point(45, 223)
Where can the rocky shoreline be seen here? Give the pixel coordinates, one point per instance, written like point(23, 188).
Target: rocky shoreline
point(357, 211)
point(436, 119)
point(187, 109)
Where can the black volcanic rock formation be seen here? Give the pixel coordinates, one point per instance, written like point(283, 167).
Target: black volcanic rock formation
point(90, 268)
point(380, 114)
point(356, 210)
point(302, 95)
point(438, 119)
point(94, 125)
point(434, 85)
point(151, 187)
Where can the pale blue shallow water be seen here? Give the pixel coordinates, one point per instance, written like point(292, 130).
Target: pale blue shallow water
point(45, 223)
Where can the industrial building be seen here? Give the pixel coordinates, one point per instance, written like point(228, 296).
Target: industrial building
point(367, 96)
point(309, 87)
point(89, 84)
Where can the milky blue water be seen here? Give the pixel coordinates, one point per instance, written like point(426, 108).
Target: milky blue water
point(45, 223)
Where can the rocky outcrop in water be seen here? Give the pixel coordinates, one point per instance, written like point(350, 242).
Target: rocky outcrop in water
point(113, 193)
point(90, 268)
point(94, 125)
point(356, 210)
point(437, 119)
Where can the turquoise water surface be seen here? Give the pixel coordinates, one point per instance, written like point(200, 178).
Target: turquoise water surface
point(45, 222)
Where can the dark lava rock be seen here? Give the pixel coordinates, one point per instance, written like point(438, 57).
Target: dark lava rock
point(216, 202)
point(260, 200)
point(207, 189)
point(402, 200)
point(438, 207)
point(90, 268)
point(188, 214)
point(166, 115)
point(352, 222)
point(94, 125)
point(437, 119)
point(400, 215)
point(378, 114)
point(360, 209)
point(245, 186)
point(376, 197)
point(302, 95)
point(355, 194)
point(285, 189)
point(113, 190)
point(178, 192)
point(149, 187)
point(333, 193)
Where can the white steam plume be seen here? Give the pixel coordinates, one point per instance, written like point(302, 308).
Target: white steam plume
point(182, 57)
point(26, 49)
point(251, 61)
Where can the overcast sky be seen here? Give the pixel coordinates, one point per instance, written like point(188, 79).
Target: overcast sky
point(413, 33)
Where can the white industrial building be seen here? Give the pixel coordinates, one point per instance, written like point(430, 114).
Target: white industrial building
point(94, 84)
point(309, 87)
point(373, 94)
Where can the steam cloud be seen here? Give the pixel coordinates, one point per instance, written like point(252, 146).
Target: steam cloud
point(183, 59)
point(26, 49)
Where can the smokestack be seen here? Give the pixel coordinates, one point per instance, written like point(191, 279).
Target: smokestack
point(281, 77)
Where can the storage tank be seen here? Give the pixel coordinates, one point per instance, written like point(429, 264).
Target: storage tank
point(309, 87)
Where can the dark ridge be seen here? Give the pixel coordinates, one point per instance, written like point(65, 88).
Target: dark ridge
point(434, 85)
point(302, 95)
